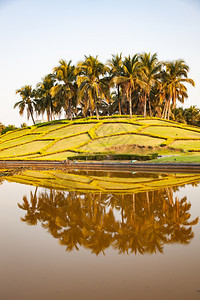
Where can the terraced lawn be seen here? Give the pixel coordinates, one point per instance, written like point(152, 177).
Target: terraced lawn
point(156, 122)
point(186, 145)
point(173, 132)
point(43, 129)
point(69, 130)
point(18, 141)
point(57, 156)
point(107, 129)
point(68, 143)
point(108, 142)
point(29, 148)
point(14, 134)
point(63, 138)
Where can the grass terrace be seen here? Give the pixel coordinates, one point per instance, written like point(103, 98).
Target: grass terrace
point(59, 140)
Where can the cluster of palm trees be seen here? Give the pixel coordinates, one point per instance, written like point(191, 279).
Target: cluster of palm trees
point(148, 220)
point(139, 84)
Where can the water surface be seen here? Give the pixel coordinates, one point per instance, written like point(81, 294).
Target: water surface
point(99, 235)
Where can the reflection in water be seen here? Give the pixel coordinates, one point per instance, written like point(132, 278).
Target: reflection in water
point(130, 223)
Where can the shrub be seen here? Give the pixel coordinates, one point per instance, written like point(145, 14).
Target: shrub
point(8, 128)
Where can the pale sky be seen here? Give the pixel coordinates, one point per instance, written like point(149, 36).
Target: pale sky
point(36, 34)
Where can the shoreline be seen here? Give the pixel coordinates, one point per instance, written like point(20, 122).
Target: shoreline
point(106, 166)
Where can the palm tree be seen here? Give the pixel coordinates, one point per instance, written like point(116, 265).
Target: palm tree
point(131, 78)
point(65, 90)
point(151, 69)
point(92, 85)
point(116, 70)
point(174, 77)
point(28, 101)
point(45, 101)
point(192, 115)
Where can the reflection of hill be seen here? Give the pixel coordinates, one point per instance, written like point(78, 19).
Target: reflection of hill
point(130, 223)
point(104, 182)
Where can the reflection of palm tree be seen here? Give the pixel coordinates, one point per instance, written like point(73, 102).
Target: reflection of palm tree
point(178, 222)
point(31, 216)
point(147, 221)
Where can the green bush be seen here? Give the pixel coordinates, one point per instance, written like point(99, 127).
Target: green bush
point(99, 157)
point(8, 128)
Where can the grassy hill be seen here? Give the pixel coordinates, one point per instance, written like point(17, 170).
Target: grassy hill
point(58, 140)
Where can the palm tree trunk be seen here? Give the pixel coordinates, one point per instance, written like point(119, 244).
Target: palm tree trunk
point(48, 116)
point(31, 113)
point(119, 101)
point(130, 105)
point(150, 108)
point(169, 110)
point(145, 107)
point(97, 113)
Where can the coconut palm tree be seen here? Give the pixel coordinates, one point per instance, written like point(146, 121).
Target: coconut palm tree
point(28, 101)
point(45, 101)
point(175, 76)
point(115, 65)
point(65, 90)
point(91, 83)
point(151, 70)
point(131, 78)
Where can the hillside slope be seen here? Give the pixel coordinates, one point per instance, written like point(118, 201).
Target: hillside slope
point(58, 140)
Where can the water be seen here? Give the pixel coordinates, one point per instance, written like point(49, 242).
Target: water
point(99, 235)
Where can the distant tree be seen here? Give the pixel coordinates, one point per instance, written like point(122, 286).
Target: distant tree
point(8, 128)
point(23, 125)
point(1, 127)
point(28, 101)
point(192, 115)
point(45, 101)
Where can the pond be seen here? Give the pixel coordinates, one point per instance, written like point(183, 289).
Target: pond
point(99, 235)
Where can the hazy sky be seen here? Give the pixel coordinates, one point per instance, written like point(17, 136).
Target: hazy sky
point(36, 34)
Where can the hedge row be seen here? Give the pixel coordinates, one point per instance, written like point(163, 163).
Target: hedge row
point(115, 157)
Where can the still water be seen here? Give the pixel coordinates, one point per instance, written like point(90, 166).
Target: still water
point(99, 235)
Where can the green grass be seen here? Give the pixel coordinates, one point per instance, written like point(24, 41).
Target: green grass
point(69, 143)
point(42, 129)
point(105, 144)
point(186, 145)
point(60, 139)
point(107, 129)
point(32, 147)
point(18, 141)
point(57, 156)
point(155, 122)
point(69, 130)
point(178, 159)
point(14, 134)
point(171, 132)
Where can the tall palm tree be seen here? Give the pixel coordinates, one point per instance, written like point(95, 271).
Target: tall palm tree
point(92, 85)
point(131, 78)
point(151, 69)
point(175, 76)
point(28, 101)
point(45, 101)
point(115, 64)
point(65, 89)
